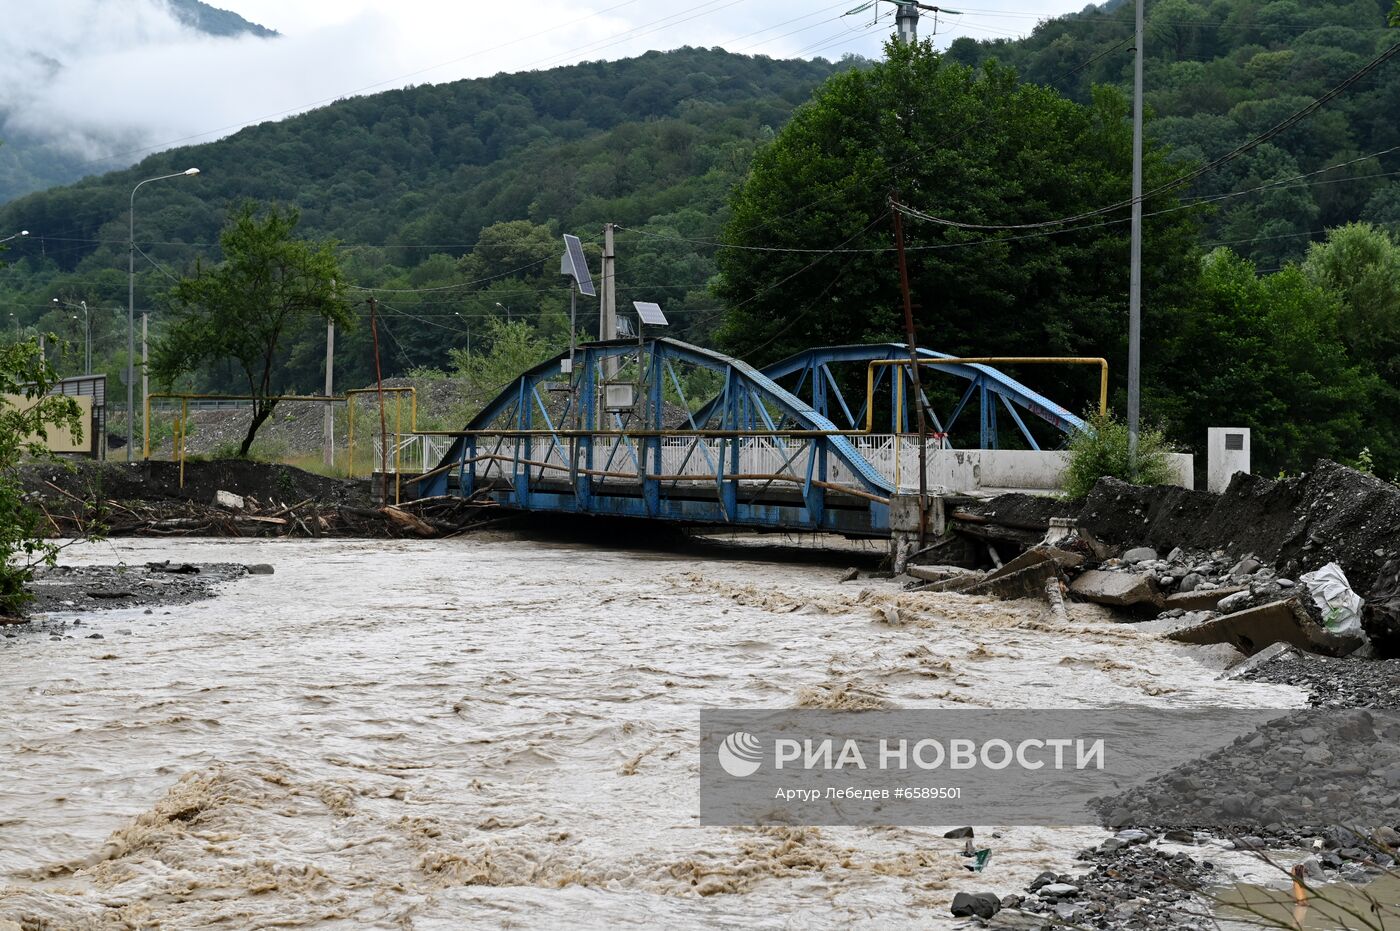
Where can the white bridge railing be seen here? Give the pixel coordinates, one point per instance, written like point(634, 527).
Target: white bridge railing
point(698, 458)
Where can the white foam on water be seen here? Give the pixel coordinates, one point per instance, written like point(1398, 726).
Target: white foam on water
point(502, 732)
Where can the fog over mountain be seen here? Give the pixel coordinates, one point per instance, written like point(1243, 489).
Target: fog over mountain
point(91, 85)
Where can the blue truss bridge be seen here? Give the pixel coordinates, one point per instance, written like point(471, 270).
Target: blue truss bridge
point(820, 441)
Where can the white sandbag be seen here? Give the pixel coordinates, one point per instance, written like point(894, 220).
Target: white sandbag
point(1340, 606)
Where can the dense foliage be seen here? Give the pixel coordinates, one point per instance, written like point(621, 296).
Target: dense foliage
point(973, 144)
point(26, 375)
point(449, 201)
point(1221, 71)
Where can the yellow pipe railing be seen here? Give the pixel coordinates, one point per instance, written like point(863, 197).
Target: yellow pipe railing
point(398, 393)
point(980, 360)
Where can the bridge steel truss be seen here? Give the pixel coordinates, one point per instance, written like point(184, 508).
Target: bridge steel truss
point(992, 388)
point(755, 455)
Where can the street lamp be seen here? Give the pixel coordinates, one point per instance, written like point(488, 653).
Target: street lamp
point(15, 236)
point(87, 332)
point(468, 324)
point(506, 309)
point(131, 310)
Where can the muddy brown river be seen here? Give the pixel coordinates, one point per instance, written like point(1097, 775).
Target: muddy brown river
point(502, 733)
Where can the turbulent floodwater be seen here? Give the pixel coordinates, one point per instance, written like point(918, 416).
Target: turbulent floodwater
point(502, 733)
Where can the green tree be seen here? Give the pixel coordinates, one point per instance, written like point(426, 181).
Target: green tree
point(268, 284)
point(1264, 352)
point(970, 144)
point(25, 374)
point(1360, 263)
point(514, 347)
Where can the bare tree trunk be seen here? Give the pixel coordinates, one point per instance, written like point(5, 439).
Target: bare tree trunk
point(261, 411)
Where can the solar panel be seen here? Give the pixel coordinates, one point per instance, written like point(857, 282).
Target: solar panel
point(576, 266)
point(650, 313)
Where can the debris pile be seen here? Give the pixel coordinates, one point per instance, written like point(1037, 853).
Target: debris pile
point(233, 499)
point(238, 516)
point(1266, 562)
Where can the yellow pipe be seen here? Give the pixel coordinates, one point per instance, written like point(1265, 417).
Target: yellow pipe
point(350, 429)
point(984, 360)
point(184, 418)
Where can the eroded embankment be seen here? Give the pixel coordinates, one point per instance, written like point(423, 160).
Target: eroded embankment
point(1331, 514)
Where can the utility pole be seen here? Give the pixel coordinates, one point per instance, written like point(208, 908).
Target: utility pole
point(145, 379)
point(329, 439)
point(607, 328)
point(912, 342)
point(907, 22)
point(1135, 273)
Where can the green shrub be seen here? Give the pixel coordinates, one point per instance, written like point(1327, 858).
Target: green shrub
point(25, 373)
point(1102, 450)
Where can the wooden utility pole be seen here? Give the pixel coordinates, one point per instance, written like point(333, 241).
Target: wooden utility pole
point(328, 440)
point(383, 420)
point(145, 379)
point(1135, 259)
point(912, 342)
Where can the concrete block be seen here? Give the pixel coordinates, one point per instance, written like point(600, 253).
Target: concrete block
point(1119, 589)
point(227, 499)
point(1277, 622)
point(1039, 554)
point(1227, 452)
point(1198, 600)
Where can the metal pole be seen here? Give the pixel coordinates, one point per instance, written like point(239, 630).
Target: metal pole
point(87, 339)
point(912, 341)
point(145, 378)
point(131, 327)
point(131, 307)
point(329, 438)
point(1135, 274)
point(608, 326)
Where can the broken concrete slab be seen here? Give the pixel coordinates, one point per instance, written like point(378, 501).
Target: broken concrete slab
point(934, 573)
point(1118, 589)
point(1024, 583)
point(1271, 654)
point(1286, 621)
point(1036, 555)
point(1201, 599)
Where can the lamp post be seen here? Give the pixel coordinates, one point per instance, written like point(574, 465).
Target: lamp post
point(87, 332)
point(15, 236)
point(506, 309)
point(131, 310)
point(468, 325)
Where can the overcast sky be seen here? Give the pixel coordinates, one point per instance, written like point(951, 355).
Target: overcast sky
point(104, 77)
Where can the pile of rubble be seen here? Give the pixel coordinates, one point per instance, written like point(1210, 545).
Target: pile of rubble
point(1266, 562)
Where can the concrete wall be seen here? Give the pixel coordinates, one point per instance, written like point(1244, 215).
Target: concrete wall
point(1026, 470)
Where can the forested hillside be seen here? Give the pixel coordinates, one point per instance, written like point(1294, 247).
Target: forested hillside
point(410, 181)
point(448, 202)
point(1220, 71)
